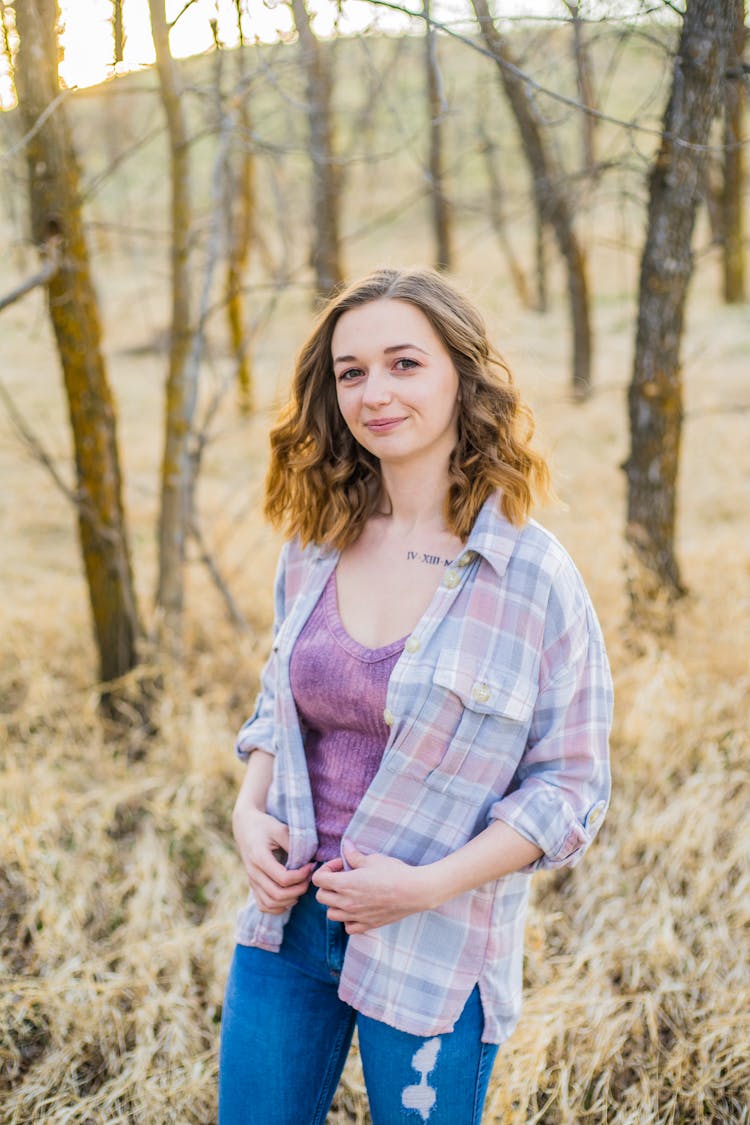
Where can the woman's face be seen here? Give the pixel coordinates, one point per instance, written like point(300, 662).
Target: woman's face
point(396, 385)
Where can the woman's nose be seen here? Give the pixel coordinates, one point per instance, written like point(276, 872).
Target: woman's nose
point(377, 388)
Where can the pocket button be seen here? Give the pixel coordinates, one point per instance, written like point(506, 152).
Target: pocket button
point(480, 693)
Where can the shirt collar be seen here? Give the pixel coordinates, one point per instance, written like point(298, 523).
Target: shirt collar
point(493, 536)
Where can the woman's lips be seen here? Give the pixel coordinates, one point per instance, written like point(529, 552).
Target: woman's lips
point(383, 425)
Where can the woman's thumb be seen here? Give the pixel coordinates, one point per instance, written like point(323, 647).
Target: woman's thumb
point(353, 857)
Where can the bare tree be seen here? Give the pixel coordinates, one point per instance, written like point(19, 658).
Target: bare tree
point(57, 230)
point(655, 394)
point(240, 223)
point(552, 201)
point(176, 473)
point(584, 87)
point(118, 31)
point(436, 108)
point(733, 188)
point(496, 212)
point(326, 245)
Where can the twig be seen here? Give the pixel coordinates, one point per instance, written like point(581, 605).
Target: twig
point(181, 13)
point(50, 267)
point(34, 445)
point(532, 84)
point(48, 111)
point(209, 562)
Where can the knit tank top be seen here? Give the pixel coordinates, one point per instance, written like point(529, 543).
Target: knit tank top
point(339, 688)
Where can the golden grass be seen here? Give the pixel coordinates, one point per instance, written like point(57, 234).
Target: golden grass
point(118, 878)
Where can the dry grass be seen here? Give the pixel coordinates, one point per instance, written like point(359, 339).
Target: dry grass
point(119, 884)
point(118, 879)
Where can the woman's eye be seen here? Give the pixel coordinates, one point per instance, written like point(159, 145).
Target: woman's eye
point(349, 374)
point(405, 364)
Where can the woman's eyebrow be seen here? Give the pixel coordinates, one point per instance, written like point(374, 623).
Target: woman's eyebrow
point(400, 347)
point(386, 351)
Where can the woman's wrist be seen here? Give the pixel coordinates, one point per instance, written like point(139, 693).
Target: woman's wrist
point(431, 889)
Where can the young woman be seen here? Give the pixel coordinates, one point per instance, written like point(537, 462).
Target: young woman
point(432, 725)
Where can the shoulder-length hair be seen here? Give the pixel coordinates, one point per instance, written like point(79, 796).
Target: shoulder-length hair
point(323, 486)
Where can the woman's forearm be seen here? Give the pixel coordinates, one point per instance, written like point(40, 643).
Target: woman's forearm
point(256, 782)
point(498, 850)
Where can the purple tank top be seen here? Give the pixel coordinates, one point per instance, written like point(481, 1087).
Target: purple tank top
point(339, 687)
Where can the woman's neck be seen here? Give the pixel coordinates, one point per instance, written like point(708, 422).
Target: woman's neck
point(415, 498)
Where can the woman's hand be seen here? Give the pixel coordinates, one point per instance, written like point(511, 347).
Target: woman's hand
point(377, 890)
point(263, 843)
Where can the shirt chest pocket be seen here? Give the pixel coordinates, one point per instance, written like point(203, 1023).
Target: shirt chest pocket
point(470, 734)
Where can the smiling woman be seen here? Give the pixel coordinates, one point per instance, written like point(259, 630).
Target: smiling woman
point(406, 392)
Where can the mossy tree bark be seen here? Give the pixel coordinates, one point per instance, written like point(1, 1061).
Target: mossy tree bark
point(733, 191)
point(240, 210)
point(552, 201)
point(326, 246)
point(56, 219)
point(655, 393)
point(441, 209)
point(181, 392)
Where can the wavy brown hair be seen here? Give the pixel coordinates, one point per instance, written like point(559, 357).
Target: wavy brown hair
point(323, 486)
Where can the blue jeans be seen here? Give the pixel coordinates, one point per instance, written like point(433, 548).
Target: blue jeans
point(285, 1036)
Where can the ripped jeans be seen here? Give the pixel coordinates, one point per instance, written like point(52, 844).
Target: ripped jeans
point(285, 1037)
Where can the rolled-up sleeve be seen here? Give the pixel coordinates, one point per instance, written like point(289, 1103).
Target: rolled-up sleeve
point(561, 788)
point(257, 732)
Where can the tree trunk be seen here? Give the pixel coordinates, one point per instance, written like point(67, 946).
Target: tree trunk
point(240, 212)
point(584, 89)
point(540, 265)
point(655, 395)
point(56, 218)
point(176, 473)
point(497, 216)
point(733, 226)
point(441, 214)
point(326, 246)
point(118, 31)
point(552, 202)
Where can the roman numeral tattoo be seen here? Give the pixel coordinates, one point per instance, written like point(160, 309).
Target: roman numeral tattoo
point(431, 560)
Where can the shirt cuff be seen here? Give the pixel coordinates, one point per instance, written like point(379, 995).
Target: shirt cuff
point(542, 815)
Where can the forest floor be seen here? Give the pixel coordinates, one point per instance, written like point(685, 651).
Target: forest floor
point(119, 882)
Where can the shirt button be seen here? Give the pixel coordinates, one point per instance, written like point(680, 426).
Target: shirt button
point(451, 579)
point(595, 815)
point(480, 693)
point(466, 558)
point(389, 717)
point(412, 644)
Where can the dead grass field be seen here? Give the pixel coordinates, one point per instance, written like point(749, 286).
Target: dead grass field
point(118, 879)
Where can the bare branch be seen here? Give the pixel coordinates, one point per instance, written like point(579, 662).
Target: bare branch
point(210, 564)
point(35, 447)
point(532, 84)
point(51, 264)
point(181, 13)
point(95, 183)
point(48, 111)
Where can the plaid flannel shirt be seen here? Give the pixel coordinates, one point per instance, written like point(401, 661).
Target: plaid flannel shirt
point(499, 709)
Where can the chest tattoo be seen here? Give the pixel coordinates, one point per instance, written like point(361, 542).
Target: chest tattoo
point(431, 560)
